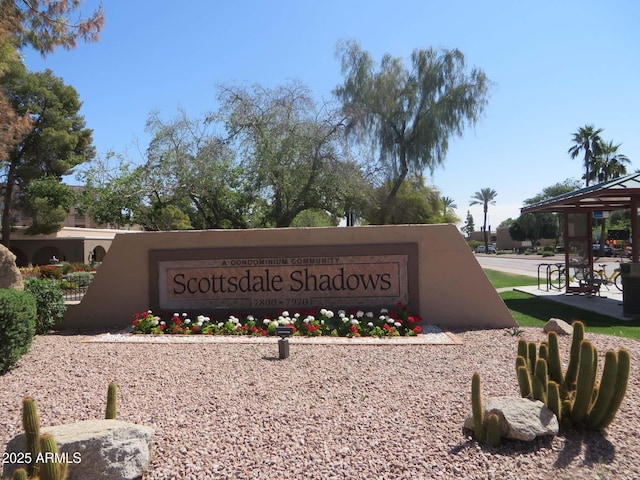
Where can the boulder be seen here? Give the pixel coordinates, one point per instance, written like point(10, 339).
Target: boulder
point(559, 326)
point(96, 449)
point(10, 276)
point(520, 418)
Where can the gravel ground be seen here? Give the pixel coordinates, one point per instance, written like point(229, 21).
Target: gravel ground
point(233, 411)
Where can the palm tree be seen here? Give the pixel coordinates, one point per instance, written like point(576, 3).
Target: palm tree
point(447, 203)
point(607, 165)
point(587, 140)
point(484, 197)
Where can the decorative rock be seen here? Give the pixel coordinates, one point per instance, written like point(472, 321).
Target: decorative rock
point(520, 418)
point(96, 449)
point(559, 326)
point(10, 276)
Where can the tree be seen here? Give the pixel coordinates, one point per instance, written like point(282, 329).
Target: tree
point(607, 165)
point(414, 203)
point(409, 114)
point(187, 159)
point(44, 25)
point(113, 190)
point(47, 24)
point(485, 197)
point(47, 203)
point(293, 149)
point(56, 143)
point(469, 226)
point(533, 226)
point(587, 141)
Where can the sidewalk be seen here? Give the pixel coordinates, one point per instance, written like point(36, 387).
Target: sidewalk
point(609, 303)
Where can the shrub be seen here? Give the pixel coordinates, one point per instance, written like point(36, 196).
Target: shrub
point(50, 306)
point(50, 271)
point(17, 326)
point(80, 278)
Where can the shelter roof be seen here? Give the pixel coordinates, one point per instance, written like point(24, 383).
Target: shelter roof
point(613, 194)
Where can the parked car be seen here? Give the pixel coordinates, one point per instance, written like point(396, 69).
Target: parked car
point(491, 249)
point(607, 250)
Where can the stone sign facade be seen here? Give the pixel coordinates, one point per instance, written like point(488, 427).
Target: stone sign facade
point(283, 278)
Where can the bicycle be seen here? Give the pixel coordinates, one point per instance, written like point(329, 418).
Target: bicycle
point(606, 280)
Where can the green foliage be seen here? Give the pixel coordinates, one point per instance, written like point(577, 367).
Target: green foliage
point(20, 474)
point(534, 226)
point(579, 401)
point(48, 202)
point(50, 304)
point(17, 326)
point(57, 142)
point(409, 112)
point(413, 203)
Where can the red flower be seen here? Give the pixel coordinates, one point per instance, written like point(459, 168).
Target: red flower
point(418, 329)
point(410, 319)
point(136, 316)
point(354, 329)
point(161, 327)
point(386, 326)
point(195, 328)
point(177, 321)
point(136, 322)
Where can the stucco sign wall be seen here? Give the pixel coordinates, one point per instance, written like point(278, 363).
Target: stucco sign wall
point(277, 278)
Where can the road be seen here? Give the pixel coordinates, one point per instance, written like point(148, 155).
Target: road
point(522, 265)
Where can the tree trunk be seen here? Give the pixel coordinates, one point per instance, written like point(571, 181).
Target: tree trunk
point(6, 208)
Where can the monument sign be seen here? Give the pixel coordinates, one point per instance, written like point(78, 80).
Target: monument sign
point(284, 278)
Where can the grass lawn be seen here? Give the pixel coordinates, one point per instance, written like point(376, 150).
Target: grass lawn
point(531, 311)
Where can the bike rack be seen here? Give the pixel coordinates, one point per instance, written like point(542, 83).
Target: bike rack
point(548, 267)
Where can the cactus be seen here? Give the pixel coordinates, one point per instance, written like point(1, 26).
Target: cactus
point(575, 397)
point(622, 379)
point(554, 361)
point(20, 474)
point(524, 380)
point(493, 430)
point(553, 399)
point(476, 407)
point(572, 370)
point(112, 401)
point(31, 425)
point(51, 470)
point(540, 381)
point(585, 383)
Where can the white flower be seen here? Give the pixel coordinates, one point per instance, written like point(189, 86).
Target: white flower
point(382, 317)
point(341, 313)
point(149, 311)
point(359, 314)
point(370, 324)
point(323, 311)
point(283, 321)
point(184, 314)
point(175, 314)
point(296, 315)
point(266, 321)
point(355, 321)
point(369, 314)
point(384, 311)
point(162, 323)
point(345, 319)
point(285, 313)
point(220, 324)
point(154, 322)
point(187, 321)
point(250, 318)
point(397, 324)
point(329, 314)
point(390, 320)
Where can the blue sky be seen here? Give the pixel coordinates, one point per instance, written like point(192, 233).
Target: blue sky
point(556, 66)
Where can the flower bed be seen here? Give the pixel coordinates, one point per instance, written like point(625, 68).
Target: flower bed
point(310, 323)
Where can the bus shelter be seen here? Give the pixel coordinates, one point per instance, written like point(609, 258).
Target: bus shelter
point(579, 208)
